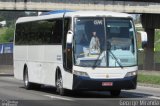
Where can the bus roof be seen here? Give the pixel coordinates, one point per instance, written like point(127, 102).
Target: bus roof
point(73, 14)
point(57, 12)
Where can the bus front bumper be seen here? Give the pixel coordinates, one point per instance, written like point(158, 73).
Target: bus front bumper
point(88, 84)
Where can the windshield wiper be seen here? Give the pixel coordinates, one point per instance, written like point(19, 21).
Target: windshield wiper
point(94, 66)
point(115, 59)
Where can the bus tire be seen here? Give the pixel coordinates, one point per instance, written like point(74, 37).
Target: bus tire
point(115, 93)
point(59, 84)
point(28, 85)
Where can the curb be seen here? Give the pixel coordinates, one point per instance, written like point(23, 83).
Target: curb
point(6, 74)
point(148, 85)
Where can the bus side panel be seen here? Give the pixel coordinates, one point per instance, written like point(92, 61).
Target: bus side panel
point(18, 69)
point(48, 74)
point(20, 57)
point(35, 62)
point(52, 60)
point(67, 80)
point(34, 71)
point(42, 63)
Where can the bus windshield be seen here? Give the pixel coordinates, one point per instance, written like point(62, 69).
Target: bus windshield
point(104, 42)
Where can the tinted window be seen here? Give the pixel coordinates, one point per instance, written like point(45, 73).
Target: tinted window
point(42, 32)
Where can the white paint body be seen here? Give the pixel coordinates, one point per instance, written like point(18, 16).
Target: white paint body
point(42, 62)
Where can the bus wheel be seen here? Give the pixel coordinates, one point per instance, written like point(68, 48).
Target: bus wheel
point(115, 92)
point(27, 84)
point(59, 85)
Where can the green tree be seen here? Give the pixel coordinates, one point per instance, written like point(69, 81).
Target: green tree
point(7, 36)
point(1, 18)
point(7, 33)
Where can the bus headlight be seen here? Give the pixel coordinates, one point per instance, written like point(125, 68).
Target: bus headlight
point(129, 74)
point(79, 73)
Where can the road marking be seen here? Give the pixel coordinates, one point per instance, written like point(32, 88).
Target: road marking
point(153, 97)
point(57, 97)
point(148, 88)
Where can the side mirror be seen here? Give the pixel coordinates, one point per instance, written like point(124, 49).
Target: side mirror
point(68, 53)
point(142, 38)
point(69, 37)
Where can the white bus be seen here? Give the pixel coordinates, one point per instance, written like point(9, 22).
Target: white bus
point(77, 50)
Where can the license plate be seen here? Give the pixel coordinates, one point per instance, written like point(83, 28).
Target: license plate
point(107, 83)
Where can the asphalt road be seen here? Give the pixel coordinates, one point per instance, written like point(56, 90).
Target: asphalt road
point(13, 93)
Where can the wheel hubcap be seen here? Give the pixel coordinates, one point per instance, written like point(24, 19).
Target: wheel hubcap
point(26, 79)
point(59, 82)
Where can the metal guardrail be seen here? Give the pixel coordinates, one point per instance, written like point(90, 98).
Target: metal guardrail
point(156, 64)
point(6, 54)
point(6, 59)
